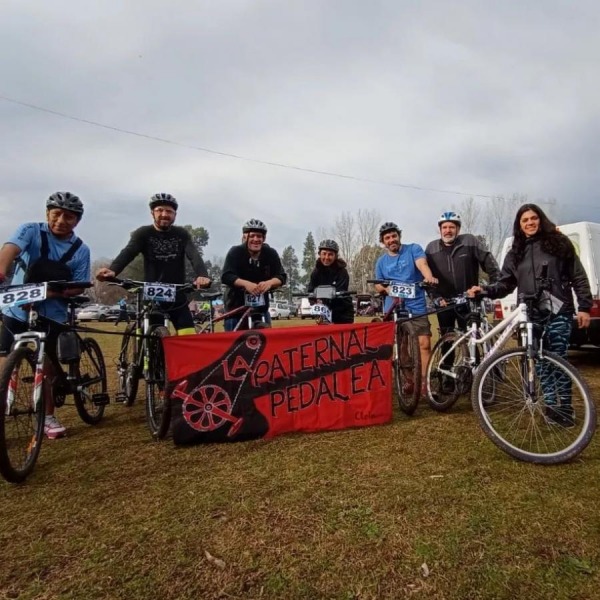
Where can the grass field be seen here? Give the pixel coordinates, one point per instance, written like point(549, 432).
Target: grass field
point(424, 507)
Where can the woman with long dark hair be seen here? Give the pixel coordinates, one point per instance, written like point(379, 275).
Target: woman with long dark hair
point(539, 249)
point(330, 269)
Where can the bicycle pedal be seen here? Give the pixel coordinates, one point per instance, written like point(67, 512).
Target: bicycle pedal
point(120, 397)
point(100, 399)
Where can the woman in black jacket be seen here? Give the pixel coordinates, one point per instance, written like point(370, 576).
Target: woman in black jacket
point(331, 270)
point(537, 245)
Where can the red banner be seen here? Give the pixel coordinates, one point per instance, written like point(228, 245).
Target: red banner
point(261, 383)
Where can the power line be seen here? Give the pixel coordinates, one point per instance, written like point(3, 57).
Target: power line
point(237, 156)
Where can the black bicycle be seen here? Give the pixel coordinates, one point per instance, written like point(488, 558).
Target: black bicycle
point(79, 371)
point(142, 354)
point(406, 358)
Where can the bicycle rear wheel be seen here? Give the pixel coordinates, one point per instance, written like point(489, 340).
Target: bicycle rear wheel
point(542, 411)
point(447, 375)
point(407, 368)
point(91, 395)
point(158, 406)
point(128, 368)
point(21, 421)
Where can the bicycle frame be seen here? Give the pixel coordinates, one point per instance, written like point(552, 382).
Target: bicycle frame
point(514, 320)
point(247, 313)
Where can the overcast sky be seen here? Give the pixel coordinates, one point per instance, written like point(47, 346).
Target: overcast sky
point(476, 97)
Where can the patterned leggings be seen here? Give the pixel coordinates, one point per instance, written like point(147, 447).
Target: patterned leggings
point(556, 385)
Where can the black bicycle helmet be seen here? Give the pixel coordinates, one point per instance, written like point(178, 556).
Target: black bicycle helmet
point(254, 225)
point(329, 245)
point(388, 226)
point(449, 216)
point(66, 201)
point(163, 199)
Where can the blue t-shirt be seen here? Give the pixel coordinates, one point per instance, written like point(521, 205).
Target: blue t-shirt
point(28, 239)
point(402, 267)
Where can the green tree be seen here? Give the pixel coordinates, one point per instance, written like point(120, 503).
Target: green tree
point(200, 240)
point(363, 268)
point(309, 256)
point(291, 265)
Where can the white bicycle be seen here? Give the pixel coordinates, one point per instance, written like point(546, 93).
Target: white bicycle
point(532, 404)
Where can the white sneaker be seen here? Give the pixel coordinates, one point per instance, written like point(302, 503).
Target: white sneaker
point(53, 428)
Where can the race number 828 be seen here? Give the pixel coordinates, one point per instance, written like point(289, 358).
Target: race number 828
point(23, 295)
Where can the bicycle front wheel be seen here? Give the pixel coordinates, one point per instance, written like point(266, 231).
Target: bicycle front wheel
point(541, 412)
point(21, 419)
point(91, 395)
point(128, 368)
point(158, 406)
point(448, 373)
point(407, 368)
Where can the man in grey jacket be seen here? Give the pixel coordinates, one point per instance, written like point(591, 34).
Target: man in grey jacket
point(455, 259)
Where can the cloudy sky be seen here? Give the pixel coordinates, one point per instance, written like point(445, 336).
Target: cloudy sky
point(481, 98)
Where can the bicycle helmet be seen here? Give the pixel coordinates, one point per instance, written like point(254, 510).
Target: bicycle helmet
point(163, 199)
point(450, 216)
point(388, 226)
point(329, 245)
point(66, 201)
point(254, 225)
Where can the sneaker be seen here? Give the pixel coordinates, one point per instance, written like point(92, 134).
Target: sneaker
point(562, 416)
point(53, 428)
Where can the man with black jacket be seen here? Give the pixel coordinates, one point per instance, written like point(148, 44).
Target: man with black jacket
point(165, 248)
point(251, 270)
point(455, 259)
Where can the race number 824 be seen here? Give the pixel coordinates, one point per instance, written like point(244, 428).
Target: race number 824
point(160, 292)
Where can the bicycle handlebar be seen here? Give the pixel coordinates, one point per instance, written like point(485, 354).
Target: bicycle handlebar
point(131, 284)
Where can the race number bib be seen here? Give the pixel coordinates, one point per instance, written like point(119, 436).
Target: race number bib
point(320, 310)
point(159, 292)
point(25, 294)
point(397, 289)
point(254, 301)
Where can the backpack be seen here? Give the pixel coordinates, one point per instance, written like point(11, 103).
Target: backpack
point(45, 269)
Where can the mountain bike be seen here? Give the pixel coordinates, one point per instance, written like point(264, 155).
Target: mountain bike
point(456, 356)
point(406, 358)
point(142, 355)
point(78, 371)
point(541, 410)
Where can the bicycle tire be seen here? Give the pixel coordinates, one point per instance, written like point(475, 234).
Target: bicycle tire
point(407, 368)
point(91, 378)
point(444, 390)
point(525, 425)
point(158, 406)
point(128, 367)
point(22, 430)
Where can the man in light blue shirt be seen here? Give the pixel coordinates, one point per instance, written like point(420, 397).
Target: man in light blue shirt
point(45, 252)
point(406, 263)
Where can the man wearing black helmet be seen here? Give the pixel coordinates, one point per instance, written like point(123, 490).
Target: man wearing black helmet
point(406, 263)
point(165, 248)
point(330, 269)
point(47, 251)
point(455, 259)
point(251, 268)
